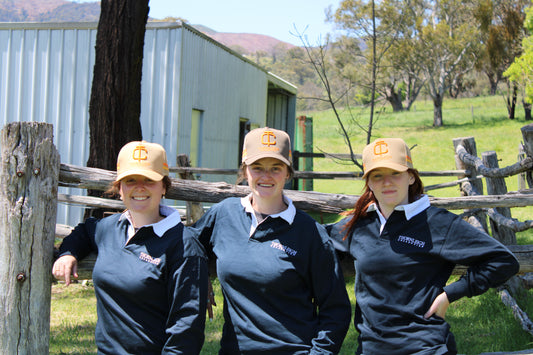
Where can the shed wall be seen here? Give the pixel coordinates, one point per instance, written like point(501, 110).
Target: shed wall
point(46, 76)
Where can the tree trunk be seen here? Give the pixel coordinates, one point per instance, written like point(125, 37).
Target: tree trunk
point(28, 204)
point(395, 99)
point(493, 81)
point(115, 105)
point(437, 111)
point(511, 103)
point(527, 110)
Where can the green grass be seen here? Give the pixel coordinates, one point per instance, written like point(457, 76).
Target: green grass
point(73, 319)
point(480, 324)
point(483, 323)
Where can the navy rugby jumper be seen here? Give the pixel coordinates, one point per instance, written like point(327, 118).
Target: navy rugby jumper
point(283, 288)
point(151, 291)
point(400, 272)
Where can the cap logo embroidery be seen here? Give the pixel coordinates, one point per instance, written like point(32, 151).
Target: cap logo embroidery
point(266, 140)
point(381, 148)
point(140, 153)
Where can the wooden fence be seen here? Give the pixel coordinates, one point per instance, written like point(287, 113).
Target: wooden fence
point(31, 173)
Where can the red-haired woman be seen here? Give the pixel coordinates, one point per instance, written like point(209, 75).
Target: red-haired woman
point(404, 251)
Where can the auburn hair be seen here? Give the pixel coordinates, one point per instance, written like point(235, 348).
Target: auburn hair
point(416, 189)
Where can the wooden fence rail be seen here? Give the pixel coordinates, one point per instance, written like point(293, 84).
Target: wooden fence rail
point(201, 191)
point(22, 173)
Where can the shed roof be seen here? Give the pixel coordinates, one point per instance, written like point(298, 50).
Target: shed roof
point(273, 79)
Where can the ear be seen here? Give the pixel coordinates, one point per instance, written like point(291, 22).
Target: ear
point(411, 179)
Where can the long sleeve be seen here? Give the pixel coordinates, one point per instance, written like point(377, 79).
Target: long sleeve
point(334, 308)
point(489, 262)
point(81, 241)
point(188, 300)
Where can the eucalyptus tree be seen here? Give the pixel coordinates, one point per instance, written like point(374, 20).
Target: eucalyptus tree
point(115, 103)
point(418, 42)
point(450, 43)
point(520, 70)
point(502, 32)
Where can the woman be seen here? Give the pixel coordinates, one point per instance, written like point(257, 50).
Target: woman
point(283, 289)
point(150, 275)
point(405, 251)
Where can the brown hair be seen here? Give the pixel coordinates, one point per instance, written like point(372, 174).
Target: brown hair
point(241, 175)
point(416, 189)
point(114, 187)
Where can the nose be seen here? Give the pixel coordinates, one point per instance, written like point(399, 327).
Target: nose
point(387, 179)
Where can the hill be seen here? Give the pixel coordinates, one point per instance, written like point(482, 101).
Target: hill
point(72, 11)
point(249, 43)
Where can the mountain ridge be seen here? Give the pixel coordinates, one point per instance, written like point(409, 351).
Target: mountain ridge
point(72, 11)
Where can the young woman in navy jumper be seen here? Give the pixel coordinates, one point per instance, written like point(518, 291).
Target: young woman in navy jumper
point(283, 289)
point(404, 251)
point(150, 275)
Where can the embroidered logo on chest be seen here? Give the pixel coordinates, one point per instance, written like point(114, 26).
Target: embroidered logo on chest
point(149, 259)
point(279, 246)
point(411, 241)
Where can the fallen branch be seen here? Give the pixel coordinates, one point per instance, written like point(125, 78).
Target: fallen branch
point(520, 315)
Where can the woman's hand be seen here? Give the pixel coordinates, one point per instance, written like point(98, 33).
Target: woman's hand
point(64, 267)
point(439, 306)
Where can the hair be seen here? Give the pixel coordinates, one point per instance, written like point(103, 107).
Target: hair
point(241, 175)
point(416, 189)
point(114, 187)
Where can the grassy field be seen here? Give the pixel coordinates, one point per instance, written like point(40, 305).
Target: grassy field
point(480, 324)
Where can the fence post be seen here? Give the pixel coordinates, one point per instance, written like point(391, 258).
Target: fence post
point(469, 144)
point(194, 209)
point(496, 186)
point(28, 205)
point(304, 143)
point(527, 134)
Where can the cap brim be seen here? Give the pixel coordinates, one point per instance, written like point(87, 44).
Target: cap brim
point(152, 175)
point(393, 166)
point(251, 160)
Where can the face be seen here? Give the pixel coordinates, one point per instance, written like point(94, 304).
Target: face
point(266, 177)
point(390, 187)
point(141, 194)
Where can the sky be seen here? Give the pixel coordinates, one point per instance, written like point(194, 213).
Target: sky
point(275, 18)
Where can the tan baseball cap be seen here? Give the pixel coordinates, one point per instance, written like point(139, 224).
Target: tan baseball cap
point(267, 143)
point(390, 153)
point(142, 158)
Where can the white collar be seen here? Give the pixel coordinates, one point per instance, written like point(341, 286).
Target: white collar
point(172, 218)
point(288, 214)
point(410, 210)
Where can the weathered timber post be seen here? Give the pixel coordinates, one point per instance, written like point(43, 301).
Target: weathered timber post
point(522, 176)
point(28, 205)
point(496, 186)
point(194, 209)
point(527, 134)
point(469, 144)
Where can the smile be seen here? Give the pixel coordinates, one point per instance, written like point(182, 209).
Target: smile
point(140, 198)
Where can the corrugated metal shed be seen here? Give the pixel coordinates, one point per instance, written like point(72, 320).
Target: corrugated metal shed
point(197, 95)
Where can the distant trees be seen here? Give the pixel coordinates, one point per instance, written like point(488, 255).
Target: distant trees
point(431, 43)
point(520, 72)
